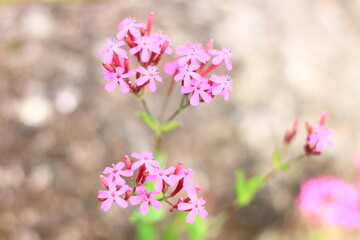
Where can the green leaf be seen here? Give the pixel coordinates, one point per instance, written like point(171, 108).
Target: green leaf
point(197, 230)
point(145, 231)
point(170, 126)
point(153, 216)
point(174, 228)
point(278, 162)
point(246, 190)
point(148, 120)
point(159, 156)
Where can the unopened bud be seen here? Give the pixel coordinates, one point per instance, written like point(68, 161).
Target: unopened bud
point(104, 181)
point(127, 162)
point(178, 168)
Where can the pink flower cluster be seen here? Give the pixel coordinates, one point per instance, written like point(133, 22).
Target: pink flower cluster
point(318, 136)
point(191, 67)
point(146, 169)
point(330, 201)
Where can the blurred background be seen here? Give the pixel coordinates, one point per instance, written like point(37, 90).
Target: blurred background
point(59, 128)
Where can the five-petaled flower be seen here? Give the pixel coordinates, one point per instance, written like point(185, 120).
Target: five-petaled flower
point(150, 75)
point(161, 176)
point(195, 207)
point(113, 194)
point(321, 138)
point(112, 46)
point(198, 88)
point(129, 25)
point(224, 55)
point(118, 77)
point(117, 171)
point(145, 198)
point(223, 85)
point(145, 158)
point(144, 44)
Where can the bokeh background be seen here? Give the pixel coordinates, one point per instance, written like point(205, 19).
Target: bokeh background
point(59, 128)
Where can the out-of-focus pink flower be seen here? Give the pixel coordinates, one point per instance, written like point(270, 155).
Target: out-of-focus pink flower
point(195, 207)
point(160, 39)
point(224, 55)
point(192, 52)
point(113, 195)
point(116, 172)
point(321, 138)
point(187, 72)
point(330, 201)
point(171, 67)
point(150, 74)
point(161, 175)
point(144, 44)
point(129, 25)
point(111, 46)
point(189, 183)
point(118, 78)
point(199, 89)
point(145, 198)
point(223, 85)
point(146, 158)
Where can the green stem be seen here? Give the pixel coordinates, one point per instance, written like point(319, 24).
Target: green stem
point(234, 206)
point(181, 107)
point(166, 101)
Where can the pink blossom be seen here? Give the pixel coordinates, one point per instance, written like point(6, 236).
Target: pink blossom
point(145, 198)
point(195, 207)
point(321, 138)
point(118, 78)
point(161, 175)
point(328, 200)
point(223, 85)
point(224, 55)
point(150, 75)
point(129, 25)
point(189, 183)
point(113, 195)
point(144, 44)
point(146, 158)
point(111, 46)
point(199, 89)
point(171, 67)
point(160, 39)
point(192, 52)
point(187, 72)
point(116, 172)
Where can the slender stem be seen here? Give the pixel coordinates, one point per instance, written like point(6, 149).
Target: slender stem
point(232, 207)
point(158, 143)
point(166, 100)
point(146, 108)
point(181, 107)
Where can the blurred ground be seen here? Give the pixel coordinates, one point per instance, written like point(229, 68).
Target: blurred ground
point(59, 128)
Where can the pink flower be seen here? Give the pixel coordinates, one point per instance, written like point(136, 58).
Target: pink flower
point(118, 78)
point(129, 25)
point(199, 89)
point(161, 175)
point(224, 55)
point(116, 172)
point(150, 75)
point(146, 158)
point(192, 52)
point(111, 46)
point(223, 85)
point(144, 44)
point(145, 198)
point(328, 200)
point(171, 67)
point(195, 207)
point(321, 138)
point(113, 195)
point(160, 39)
point(189, 183)
point(187, 72)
